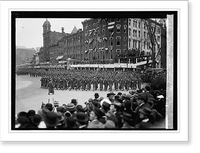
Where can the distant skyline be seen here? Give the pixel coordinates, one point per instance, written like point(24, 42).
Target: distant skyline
point(29, 30)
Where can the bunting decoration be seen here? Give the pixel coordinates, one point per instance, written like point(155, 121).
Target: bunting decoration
point(110, 27)
point(86, 42)
point(90, 41)
point(105, 38)
point(99, 39)
point(111, 23)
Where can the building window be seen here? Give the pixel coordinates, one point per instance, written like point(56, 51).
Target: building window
point(139, 43)
point(129, 42)
point(125, 28)
point(125, 39)
point(158, 39)
point(129, 22)
point(129, 31)
point(118, 51)
point(111, 41)
point(111, 56)
point(139, 25)
point(118, 28)
point(103, 32)
point(139, 34)
point(158, 30)
point(118, 40)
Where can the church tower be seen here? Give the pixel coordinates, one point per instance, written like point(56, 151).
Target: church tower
point(46, 33)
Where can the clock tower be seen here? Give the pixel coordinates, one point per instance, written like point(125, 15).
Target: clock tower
point(46, 33)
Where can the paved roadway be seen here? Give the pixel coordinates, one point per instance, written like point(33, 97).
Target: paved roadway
point(29, 95)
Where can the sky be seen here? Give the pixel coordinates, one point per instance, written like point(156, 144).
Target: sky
point(29, 31)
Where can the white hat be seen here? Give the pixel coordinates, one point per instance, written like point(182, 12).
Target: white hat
point(160, 96)
point(105, 100)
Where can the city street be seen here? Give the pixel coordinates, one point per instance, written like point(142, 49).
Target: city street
point(29, 95)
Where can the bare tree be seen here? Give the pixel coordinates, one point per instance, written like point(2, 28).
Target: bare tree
point(152, 26)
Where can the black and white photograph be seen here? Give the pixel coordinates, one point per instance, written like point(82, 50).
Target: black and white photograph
point(93, 71)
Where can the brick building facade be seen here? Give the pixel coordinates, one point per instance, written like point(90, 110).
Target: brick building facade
point(101, 40)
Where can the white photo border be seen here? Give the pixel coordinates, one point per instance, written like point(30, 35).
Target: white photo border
point(180, 135)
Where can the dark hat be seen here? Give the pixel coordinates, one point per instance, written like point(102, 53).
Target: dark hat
point(96, 95)
point(36, 119)
point(22, 120)
point(95, 103)
point(117, 103)
point(22, 113)
point(70, 122)
point(145, 110)
point(105, 104)
point(147, 88)
point(119, 93)
point(51, 119)
point(31, 112)
point(49, 106)
point(90, 100)
point(74, 101)
point(79, 108)
point(127, 116)
point(98, 113)
point(109, 94)
point(71, 107)
point(60, 109)
point(81, 117)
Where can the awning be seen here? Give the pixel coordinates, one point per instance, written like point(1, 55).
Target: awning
point(59, 57)
point(111, 23)
point(110, 27)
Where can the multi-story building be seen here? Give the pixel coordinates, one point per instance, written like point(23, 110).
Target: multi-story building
point(24, 55)
point(104, 38)
point(139, 35)
point(101, 40)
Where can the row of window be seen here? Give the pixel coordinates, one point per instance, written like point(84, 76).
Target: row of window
point(104, 22)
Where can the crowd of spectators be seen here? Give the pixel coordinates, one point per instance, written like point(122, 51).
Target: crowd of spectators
point(139, 109)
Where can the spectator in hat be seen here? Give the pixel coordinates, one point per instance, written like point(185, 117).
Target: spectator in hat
point(82, 120)
point(140, 104)
point(95, 116)
point(96, 96)
point(35, 121)
point(70, 109)
point(22, 122)
point(61, 117)
point(46, 108)
point(105, 107)
point(74, 101)
point(128, 121)
point(79, 108)
point(70, 123)
point(31, 113)
point(111, 97)
point(147, 118)
point(51, 120)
